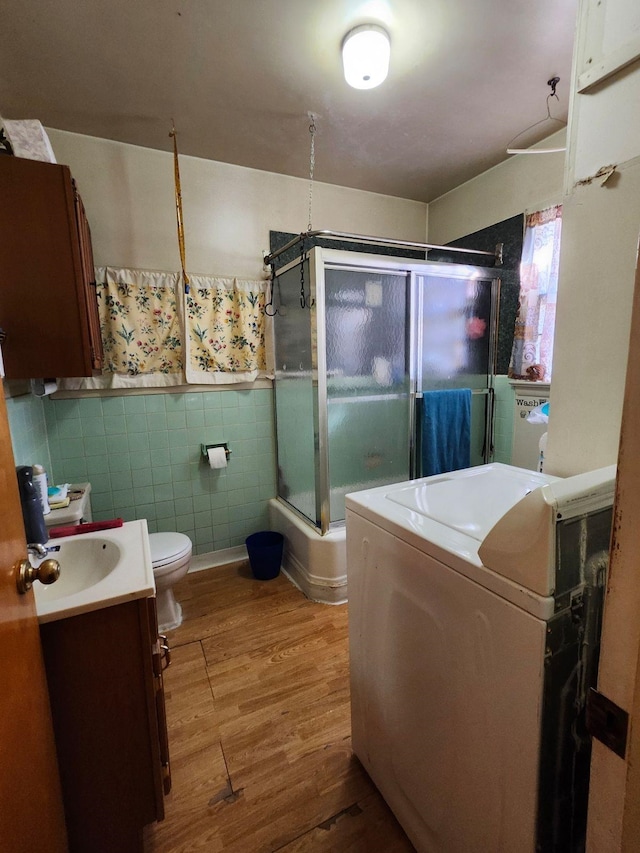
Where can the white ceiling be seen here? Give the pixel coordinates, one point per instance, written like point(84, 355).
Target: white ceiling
point(240, 77)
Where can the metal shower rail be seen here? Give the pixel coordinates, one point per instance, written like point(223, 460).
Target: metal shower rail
point(380, 241)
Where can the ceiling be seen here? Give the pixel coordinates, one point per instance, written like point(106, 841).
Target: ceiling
point(239, 78)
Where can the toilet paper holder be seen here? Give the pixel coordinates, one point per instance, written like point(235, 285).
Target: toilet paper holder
point(204, 448)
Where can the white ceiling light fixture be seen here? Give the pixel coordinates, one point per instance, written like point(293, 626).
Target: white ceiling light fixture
point(365, 56)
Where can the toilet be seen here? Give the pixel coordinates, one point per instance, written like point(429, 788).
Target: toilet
point(170, 557)
point(170, 554)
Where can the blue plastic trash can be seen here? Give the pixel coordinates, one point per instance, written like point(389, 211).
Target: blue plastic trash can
point(265, 554)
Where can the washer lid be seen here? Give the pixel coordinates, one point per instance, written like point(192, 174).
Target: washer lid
point(167, 547)
point(470, 502)
point(447, 517)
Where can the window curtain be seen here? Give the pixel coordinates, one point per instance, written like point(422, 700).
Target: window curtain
point(155, 336)
point(140, 322)
point(225, 323)
point(532, 353)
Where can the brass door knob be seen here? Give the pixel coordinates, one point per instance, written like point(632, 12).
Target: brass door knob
point(47, 572)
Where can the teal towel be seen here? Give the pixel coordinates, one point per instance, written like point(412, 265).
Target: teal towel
point(446, 431)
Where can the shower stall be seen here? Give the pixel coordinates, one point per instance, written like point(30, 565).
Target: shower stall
point(359, 338)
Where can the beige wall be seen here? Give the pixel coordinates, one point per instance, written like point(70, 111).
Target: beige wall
point(594, 313)
point(228, 210)
point(522, 182)
point(598, 258)
point(601, 225)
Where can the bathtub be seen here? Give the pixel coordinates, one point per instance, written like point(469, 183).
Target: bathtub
point(315, 564)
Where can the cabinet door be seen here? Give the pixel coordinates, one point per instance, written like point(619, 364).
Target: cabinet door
point(99, 669)
point(161, 660)
point(43, 298)
point(89, 282)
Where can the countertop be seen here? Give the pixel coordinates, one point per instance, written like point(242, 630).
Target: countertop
point(97, 570)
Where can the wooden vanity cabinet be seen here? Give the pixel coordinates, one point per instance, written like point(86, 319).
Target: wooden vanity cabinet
point(104, 672)
point(48, 305)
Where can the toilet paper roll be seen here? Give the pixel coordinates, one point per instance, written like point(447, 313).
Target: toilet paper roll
point(42, 387)
point(217, 457)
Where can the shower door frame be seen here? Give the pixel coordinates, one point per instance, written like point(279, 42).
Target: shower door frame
point(319, 259)
point(482, 274)
point(319, 367)
point(337, 259)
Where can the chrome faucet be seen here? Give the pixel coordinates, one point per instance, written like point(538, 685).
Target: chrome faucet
point(37, 549)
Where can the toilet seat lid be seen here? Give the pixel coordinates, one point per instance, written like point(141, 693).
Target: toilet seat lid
point(168, 547)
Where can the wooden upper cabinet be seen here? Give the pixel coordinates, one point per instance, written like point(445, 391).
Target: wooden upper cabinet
point(48, 305)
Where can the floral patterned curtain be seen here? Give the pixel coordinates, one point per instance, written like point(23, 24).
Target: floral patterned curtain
point(155, 335)
point(139, 320)
point(532, 353)
point(225, 323)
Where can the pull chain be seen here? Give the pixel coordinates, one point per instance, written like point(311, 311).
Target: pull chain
point(179, 219)
point(270, 310)
point(312, 163)
point(304, 302)
point(303, 298)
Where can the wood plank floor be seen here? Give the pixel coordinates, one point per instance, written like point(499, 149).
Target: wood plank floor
point(259, 729)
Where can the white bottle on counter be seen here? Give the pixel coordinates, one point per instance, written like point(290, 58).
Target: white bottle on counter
point(40, 482)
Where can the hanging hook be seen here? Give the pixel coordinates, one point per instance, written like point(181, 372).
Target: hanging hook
point(552, 94)
point(553, 83)
point(269, 310)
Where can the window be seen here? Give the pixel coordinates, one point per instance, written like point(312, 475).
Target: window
point(532, 353)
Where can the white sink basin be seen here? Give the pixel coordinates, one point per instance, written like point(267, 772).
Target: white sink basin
point(96, 570)
point(85, 563)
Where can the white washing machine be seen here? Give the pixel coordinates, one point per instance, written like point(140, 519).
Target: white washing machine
point(474, 602)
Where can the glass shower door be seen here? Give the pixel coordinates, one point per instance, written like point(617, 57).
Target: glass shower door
point(367, 376)
point(295, 396)
point(456, 344)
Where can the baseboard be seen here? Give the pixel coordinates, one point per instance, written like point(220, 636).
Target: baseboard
point(316, 588)
point(213, 559)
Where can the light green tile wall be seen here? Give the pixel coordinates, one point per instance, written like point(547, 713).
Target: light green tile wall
point(141, 454)
point(503, 427)
point(28, 431)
